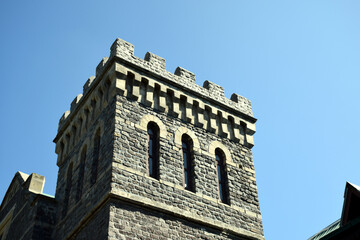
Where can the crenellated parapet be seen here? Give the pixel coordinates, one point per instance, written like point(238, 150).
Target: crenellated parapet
point(148, 82)
point(181, 77)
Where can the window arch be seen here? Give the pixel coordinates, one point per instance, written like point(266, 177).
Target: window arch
point(188, 162)
point(222, 176)
point(153, 149)
point(178, 136)
point(146, 119)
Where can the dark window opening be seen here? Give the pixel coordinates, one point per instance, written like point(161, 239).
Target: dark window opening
point(188, 162)
point(222, 176)
point(153, 150)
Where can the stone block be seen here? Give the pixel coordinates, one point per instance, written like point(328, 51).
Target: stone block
point(155, 60)
point(250, 141)
point(75, 102)
point(122, 49)
point(214, 89)
point(181, 72)
point(63, 118)
point(35, 183)
point(101, 65)
point(88, 84)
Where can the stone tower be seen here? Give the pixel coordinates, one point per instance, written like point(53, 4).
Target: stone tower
point(147, 154)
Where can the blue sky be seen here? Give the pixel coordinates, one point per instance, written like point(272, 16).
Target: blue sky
point(297, 61)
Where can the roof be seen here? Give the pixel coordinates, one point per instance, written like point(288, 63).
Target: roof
point(351, 205)
point(332, 227)
point(354, 185)
point(350, 213)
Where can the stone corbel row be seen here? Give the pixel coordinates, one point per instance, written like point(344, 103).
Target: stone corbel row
point(187, 108)
point(156, 64)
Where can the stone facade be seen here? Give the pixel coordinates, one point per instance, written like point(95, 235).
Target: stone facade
point(104, 188)
point(27, 213)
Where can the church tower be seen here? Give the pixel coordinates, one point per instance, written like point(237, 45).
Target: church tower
point(147, 154)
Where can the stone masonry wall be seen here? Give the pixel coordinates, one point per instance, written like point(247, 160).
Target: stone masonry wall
point(34, 220)
point(29, 214)
point(129, 221)
point(130, 171)
point(80, 209)
point(96, 228)
point(126, 94)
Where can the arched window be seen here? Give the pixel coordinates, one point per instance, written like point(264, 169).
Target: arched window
point(222, 176)
point(81, 174)
point(153, 150)
point(96, 155)
point(188, 163)
point(67, 189)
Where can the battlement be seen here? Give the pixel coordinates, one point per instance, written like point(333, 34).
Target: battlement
point(182, 79)
point(148, 82)
point(181, 76)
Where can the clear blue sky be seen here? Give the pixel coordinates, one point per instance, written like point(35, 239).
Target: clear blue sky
point(297, 61)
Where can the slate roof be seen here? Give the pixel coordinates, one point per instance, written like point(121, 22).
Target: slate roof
point(350, 190)
point(332, 227)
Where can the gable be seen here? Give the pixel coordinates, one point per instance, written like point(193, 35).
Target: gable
point(14, 187)
point(351, 206)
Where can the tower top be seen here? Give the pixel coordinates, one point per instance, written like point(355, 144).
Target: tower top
point(152, 64)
